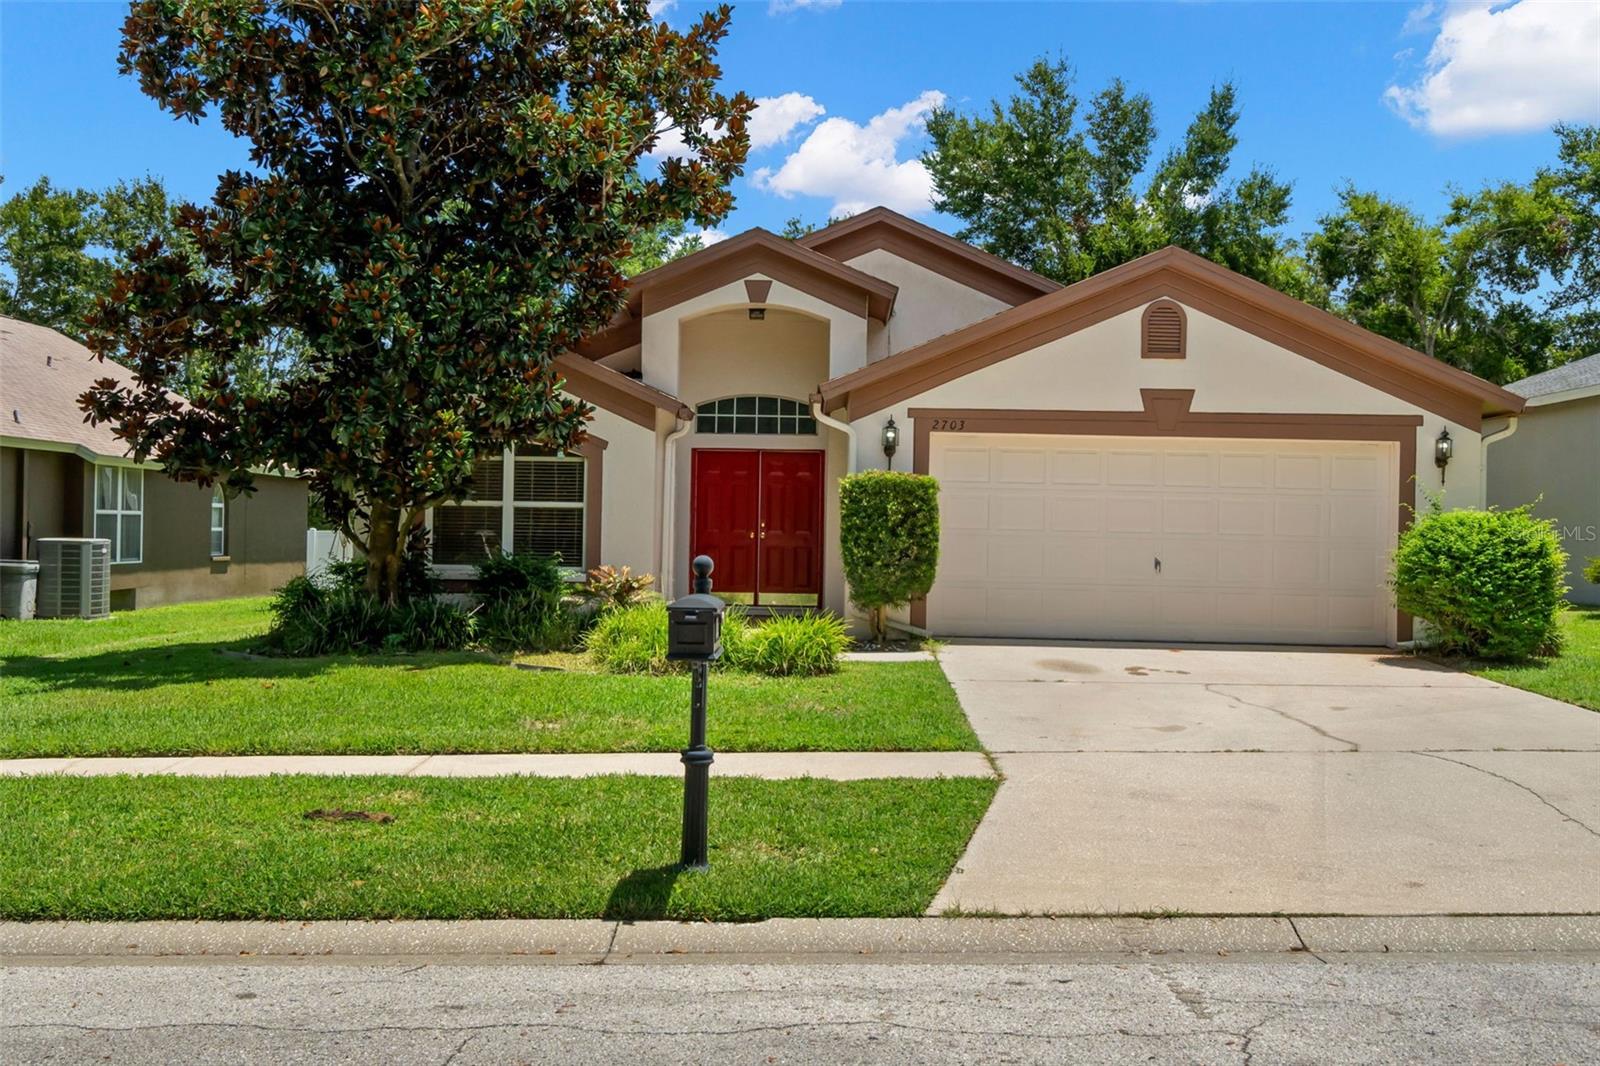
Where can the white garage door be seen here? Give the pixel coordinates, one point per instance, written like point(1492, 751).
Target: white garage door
point(1136, 538)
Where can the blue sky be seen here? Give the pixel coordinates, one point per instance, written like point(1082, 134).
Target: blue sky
point(1404, 99)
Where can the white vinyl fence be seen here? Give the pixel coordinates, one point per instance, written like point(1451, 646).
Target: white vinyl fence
point(324, 546)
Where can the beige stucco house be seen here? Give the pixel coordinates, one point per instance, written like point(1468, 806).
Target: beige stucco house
point(1165, 451)
point(61, 477)
point(1554, 459)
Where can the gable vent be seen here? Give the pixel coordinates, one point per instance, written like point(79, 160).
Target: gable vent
point(1162, 336)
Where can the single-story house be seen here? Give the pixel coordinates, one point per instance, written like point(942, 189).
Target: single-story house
point(1165, 451)
point(1554, 458)
point(170, 540)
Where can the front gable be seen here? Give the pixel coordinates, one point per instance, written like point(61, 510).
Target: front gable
point(1255, 311)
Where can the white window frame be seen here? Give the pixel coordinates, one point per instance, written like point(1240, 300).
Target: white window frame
point(509, 505)
point(118, 512)
point(219, 523)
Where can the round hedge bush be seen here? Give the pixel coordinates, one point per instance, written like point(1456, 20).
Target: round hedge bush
point(1487, 583)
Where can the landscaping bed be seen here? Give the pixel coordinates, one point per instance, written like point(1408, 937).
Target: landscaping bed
point(1574, 676)
point(124, 848)
point(182, 681)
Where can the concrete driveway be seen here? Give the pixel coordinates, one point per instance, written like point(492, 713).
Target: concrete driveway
point(1235, 780)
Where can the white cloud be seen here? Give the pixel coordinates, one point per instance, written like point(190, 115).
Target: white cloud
point(659, 8)
point(776, 117)
point(858, 166)
point(1505, 69)
point(707, 238)
point(783, 7)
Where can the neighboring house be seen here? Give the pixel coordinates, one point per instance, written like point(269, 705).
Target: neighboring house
point(61, 477)
point(1165, 451)
point(1554, 458)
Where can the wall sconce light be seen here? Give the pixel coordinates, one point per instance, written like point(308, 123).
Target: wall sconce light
point(1443, 450)
point(758, 314)
point(891, 441)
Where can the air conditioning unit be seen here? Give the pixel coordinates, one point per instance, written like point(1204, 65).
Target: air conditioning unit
point(74, 577)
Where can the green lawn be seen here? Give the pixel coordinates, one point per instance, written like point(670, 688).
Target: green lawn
point(177, 681)
point(1574, 676)
point(163, 847)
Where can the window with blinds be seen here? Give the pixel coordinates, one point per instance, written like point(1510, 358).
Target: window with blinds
point(530, 500)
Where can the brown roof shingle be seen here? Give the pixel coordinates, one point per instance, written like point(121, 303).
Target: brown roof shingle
point(42, 374)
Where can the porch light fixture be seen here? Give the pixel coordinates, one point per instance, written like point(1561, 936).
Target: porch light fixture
point(1443, 449)
point(891, 441)
point(758, 314)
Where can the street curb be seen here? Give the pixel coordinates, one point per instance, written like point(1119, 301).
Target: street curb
point(801, 939)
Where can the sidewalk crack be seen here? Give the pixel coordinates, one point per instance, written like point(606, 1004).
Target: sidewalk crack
point(1512, 781)
point(1216, 691)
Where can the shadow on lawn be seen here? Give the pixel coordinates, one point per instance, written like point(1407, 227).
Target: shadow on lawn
point(195, 664)
point(643, 894)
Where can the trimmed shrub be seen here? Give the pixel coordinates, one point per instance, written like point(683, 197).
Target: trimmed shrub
point(630, 640)
point(889, 537)
point(790, 645)
point(521, 603)
point(1591, 572)
point(633, 640)
point(310, 619)
point(1488, 583)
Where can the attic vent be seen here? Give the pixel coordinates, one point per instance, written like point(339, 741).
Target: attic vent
point(1163, 334)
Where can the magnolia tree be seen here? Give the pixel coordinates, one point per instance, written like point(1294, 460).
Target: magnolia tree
point(441, 199)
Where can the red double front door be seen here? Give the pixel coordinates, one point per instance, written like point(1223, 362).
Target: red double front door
point(758, 514)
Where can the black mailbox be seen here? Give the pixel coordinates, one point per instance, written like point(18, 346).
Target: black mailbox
point(694, 623)
point(694, 628)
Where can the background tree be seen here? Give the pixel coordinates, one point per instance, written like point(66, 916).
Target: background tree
point(1034, 185)
point(61, 247)
point(1462, 289)
point(441, 199)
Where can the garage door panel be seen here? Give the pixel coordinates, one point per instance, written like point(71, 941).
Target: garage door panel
point(1258, 540)
point(1077, 514)
point(1189, 514)
point(963, 510)
point(1076, 466)
point(1298, 472)
point(1019, 466)
point(1297, 517)
point(1133, 514)
point(1132, 468)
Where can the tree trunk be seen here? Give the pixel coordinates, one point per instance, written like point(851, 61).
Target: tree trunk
point(385, 542)
point(880, 626)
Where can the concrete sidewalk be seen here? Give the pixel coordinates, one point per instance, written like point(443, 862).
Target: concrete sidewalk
point(799, 939)
point(779, 765)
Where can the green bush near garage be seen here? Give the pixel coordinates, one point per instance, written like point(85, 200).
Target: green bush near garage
point(1487, 583)
point(633, 640)
point(889, 540)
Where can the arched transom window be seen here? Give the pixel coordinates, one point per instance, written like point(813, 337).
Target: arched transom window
point(755, 414)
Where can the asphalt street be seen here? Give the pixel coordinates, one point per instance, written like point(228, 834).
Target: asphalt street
point(1465, 1010)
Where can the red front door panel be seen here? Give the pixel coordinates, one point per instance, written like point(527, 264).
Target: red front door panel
point(791, 523)
point(758, 514)
point(725, 508)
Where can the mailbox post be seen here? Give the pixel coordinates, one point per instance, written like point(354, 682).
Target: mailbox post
point(694, 635)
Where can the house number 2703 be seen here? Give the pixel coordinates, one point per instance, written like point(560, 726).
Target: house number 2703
point(949, 424)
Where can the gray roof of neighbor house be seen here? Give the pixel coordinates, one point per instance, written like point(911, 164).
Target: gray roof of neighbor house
point(42, 374)
point(1579, 374)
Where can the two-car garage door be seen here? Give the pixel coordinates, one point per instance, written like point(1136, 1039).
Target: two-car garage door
point(1184, 539)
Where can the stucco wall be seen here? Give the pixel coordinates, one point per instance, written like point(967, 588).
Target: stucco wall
point(265, 543)
point(630, 493)
point(1230, 370)
point(1555, 453)
point(928, 305)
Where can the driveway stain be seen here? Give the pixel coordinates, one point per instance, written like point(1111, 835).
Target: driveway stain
point(1146, 671)
point(1067, 666)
